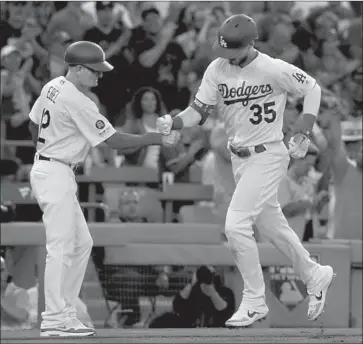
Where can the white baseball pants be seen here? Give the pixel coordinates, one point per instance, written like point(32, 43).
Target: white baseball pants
point(255, 201)
point(68, 241)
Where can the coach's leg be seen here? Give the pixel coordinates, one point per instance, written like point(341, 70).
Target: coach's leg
point(59, 222)
point(75, 273)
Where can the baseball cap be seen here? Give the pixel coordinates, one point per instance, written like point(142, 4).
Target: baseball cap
point(102, 5)
point(235, 33)
point(351, 130)
point(7, 50)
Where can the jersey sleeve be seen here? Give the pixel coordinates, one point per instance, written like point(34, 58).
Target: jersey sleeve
point(95, 127)
point(208, 89)
point(292, 79)
point(36, 112)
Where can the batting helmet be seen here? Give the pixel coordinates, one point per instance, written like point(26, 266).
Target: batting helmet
point(88, 54)
point(235, 33)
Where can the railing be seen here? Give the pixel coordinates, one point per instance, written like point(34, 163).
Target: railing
point(192, 244)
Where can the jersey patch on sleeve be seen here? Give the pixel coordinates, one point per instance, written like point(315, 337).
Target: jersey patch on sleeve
point(300, 77)
point(204, 109)
point(100, 124)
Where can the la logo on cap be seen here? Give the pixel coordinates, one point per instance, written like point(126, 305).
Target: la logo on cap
point(222, 42)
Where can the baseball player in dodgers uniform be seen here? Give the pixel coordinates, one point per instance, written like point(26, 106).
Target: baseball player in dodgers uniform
point(252, 89)
point(64, 124)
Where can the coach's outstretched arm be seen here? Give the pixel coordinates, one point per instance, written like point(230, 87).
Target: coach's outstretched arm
point(122, 141)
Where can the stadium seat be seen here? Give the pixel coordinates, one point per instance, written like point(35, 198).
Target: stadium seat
point(112, 177)
point(184, 192)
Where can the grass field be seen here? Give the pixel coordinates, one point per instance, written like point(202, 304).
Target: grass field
point(202, 335)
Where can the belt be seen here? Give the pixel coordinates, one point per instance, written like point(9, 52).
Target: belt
point(245, 152)
point(72, 166)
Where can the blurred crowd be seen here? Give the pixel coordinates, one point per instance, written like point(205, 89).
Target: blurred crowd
point(160, 51)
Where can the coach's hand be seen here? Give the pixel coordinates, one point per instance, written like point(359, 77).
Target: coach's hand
point(164, 124)
point(172, 139)
point(298, 146)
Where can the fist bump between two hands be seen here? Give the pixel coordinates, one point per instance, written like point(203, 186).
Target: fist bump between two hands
point(169, 137)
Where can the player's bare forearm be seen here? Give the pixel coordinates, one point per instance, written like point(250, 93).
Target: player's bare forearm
point(335, 151)
point(33, 128)
point(186, 119)
point(218, 302)
point(150, 57)
point(181, 164)
point(122, 141)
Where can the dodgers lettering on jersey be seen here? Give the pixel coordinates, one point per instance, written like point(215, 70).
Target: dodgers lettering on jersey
point(252, 99)
point(69, 122)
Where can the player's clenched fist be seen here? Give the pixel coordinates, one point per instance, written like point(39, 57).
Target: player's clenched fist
point(298, 146)
point(172, 139)
point(164, 124)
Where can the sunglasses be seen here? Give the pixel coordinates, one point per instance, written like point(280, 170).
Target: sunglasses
point(90, 69)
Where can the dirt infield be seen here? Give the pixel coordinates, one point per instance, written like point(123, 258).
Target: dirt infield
point(261, 335)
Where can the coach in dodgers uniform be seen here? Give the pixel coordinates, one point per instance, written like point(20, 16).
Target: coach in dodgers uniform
point(251, 88)
point(65, 124)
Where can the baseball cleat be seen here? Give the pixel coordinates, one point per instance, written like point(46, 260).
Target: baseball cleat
point(72, 328)
point(66, 332)
point(244, 318)
point(318, 298)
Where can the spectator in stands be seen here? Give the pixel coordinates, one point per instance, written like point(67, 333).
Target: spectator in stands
point(27, 45)
point(19, 306)
point(191, 148)
point(345, 153)
point(71, 19)
point(354, 85)
point(217, 171)
point(127, 283)
point(156, 56)
point(43, 11)
point(8, 168)
point(7, 212)
point(278, 12)
point(121, 15)
point(40, 72)
point(184, 158)
point(204, 302)
point(11, 27)
point(146, 107)
point(297, 193)
point(113, 37)
point(57, 47)
point(15, 102)
point(279, 44)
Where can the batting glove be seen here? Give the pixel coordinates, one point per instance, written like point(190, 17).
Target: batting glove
point(298, 146)
point(172, 139)
point(164, 124)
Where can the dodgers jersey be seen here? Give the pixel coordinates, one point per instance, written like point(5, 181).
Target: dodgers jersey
point(252, 99)
point(69, 122)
